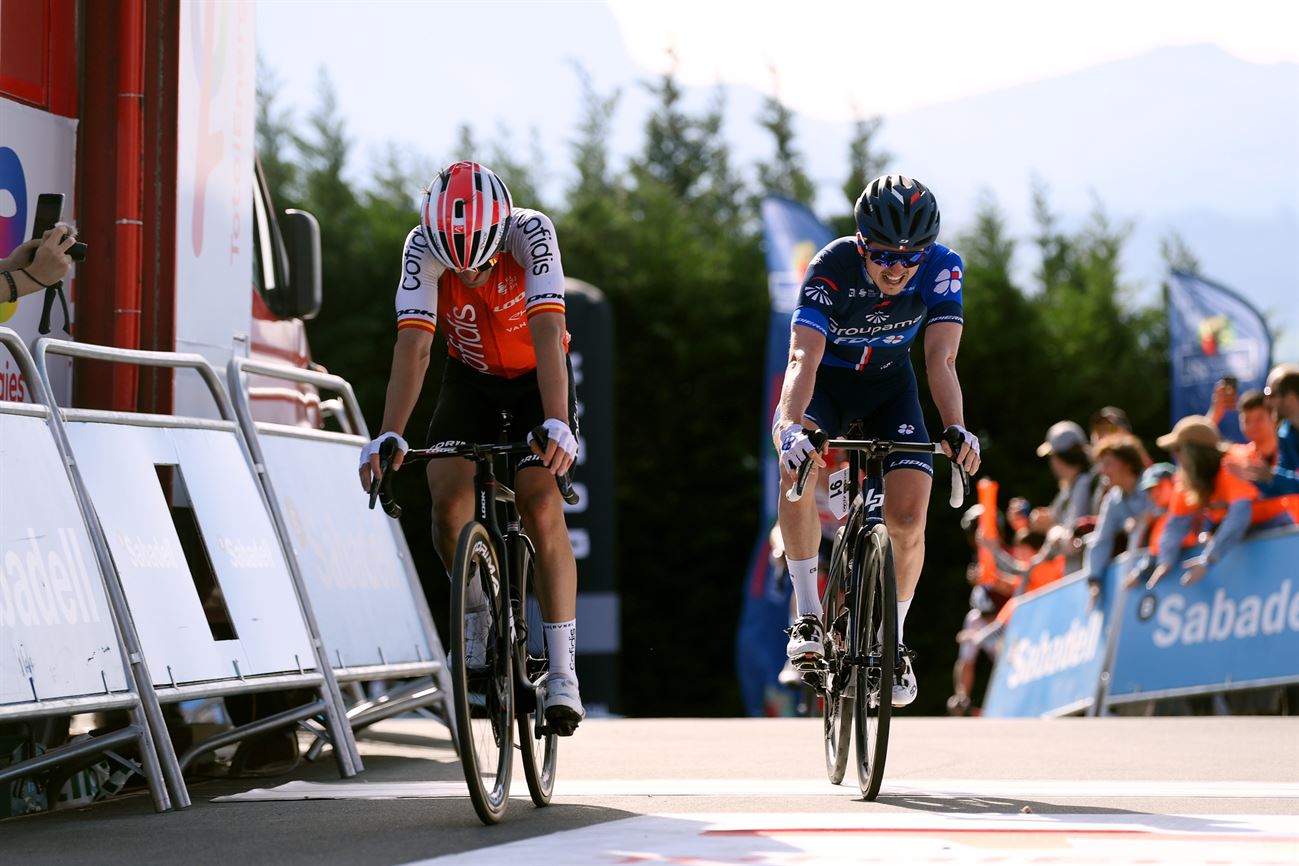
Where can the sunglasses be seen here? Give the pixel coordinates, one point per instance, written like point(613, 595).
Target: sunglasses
point(889, 258)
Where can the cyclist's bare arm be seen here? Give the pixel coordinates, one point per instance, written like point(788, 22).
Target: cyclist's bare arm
point(547, 330)
point(942, 342)
point(806, 346)
point(410, 357)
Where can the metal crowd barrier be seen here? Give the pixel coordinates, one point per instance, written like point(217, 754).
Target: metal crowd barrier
point(66, 643)
point(354, 561)
point(223, 611)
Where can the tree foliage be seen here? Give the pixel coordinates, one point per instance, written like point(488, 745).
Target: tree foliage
point(670, 238)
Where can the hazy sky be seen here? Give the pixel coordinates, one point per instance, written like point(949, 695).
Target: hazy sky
point(830, 53)
point(409, 73)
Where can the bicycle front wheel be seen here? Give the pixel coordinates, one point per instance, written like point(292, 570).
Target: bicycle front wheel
point(482, 673)
point(837, 700)
point(540, 752)
point(876, 619)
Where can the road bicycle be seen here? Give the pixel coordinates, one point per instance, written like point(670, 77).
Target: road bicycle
point(860, 610)
point(497, 686)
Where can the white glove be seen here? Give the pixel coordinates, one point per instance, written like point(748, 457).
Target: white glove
point(373, 447)
point(558, 431)
point(795, 447)
point(970, 466)
point(970, 438)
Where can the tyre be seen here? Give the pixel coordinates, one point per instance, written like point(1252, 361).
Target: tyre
point(482, 679)
point(837, 700)
point(877, 622)
point(540, 753)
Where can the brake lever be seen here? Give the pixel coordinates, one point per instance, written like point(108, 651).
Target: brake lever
point(564, 481)
point(960, 478)
point(381, 484)
point(817, 438)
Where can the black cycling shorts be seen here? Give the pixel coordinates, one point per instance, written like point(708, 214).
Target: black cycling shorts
point(470, 404)
point(889, 408)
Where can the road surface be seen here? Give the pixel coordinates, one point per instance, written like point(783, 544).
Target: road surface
point(743, 791)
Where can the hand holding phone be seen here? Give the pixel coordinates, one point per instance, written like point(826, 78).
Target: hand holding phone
point(49, 211)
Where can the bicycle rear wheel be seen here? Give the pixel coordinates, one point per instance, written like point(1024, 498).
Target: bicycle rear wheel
point(540, 752)
point(482, 673)
point(876, 619)
point(837, 700)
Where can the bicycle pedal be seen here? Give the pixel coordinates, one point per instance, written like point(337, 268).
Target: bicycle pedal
point(814, 680)
point(809, 663)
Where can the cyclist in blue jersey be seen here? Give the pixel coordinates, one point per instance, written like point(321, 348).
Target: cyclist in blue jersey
point(864, 300)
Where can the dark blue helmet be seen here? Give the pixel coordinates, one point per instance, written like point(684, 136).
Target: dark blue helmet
point(897, 211)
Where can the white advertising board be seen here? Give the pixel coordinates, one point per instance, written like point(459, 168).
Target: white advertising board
point(37, 154)
point(57, 638)
point(214, 209)
point(357, 582)
point(118, 463)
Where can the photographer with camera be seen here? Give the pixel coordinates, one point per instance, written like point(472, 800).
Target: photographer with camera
point(37, 264)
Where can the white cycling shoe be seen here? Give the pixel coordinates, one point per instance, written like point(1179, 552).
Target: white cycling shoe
point(561, 704)
point(904, 679)
point(806, 647)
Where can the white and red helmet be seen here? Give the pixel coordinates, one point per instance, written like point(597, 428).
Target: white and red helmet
point(466, 215)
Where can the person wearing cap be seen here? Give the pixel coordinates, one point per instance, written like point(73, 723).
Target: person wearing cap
point(1070, 461)
point(1107, 420)
point(1282, 478)
point(1126, 507)
point(1204, 487)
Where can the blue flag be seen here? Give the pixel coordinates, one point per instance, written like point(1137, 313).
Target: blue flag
point(1212, 332)
point(792, 237)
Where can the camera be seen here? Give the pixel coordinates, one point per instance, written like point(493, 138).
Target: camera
point(49, 210)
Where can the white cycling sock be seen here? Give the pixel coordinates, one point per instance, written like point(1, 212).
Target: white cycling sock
point(803, 574)
point(561, 645)
point(903, 607)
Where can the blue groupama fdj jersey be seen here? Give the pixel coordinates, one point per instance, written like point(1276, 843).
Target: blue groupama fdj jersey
point(866, 330)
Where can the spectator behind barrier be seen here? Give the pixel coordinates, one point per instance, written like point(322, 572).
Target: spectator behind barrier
point(1070, 462)
point(1223, 399)
point(1106, 421)
point(988, 595)
point(1126, 507)
point(1282, 396)
point(1204, 488)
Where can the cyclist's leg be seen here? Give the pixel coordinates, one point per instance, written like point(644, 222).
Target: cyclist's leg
point(466, 411)
point(800, 525)
point(908, 479)
point(542, 510)
point(800, 529)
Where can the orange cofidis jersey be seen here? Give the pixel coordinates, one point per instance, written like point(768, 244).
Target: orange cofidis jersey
point(486, 327)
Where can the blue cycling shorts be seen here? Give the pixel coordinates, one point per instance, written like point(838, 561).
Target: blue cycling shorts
point(888, 407)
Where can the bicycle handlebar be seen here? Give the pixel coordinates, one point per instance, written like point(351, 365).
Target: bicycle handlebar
point(882, 448)
point(381, 485)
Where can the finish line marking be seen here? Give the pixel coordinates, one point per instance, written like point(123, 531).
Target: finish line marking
point(922, 839)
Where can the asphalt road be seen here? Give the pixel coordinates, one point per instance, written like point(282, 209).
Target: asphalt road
point(726, 782)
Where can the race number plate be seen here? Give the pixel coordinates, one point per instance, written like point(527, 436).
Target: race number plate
point(839, 493)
